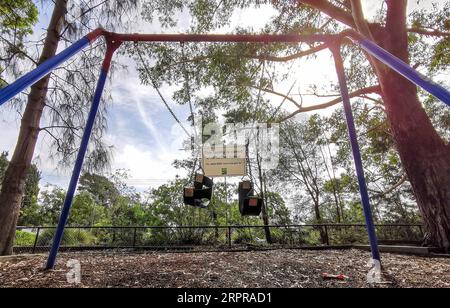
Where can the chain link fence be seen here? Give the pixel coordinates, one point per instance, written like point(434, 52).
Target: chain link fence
point(39, 239)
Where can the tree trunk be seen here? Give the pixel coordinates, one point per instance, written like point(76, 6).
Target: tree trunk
point(15, 176)
point(424, 155)
point(323, 234)
point(338, 209)
point(264, 211)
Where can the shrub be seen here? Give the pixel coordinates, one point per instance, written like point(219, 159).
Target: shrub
point(310, 237)
point(284, 236)
point(24, 238)
point(242, 236)
point(348, 236)
point(71, 237)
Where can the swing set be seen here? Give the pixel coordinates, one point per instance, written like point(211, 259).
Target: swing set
point(202, 190)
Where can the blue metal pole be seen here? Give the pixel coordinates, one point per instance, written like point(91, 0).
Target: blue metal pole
point(80, 157)
point(356, 154)
point(76, 170)
point(405, 70)
point(46, 67)
point(39, 72)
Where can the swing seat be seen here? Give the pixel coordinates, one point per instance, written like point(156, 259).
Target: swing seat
point(201, 180)
point(249, 205)
point(201, 194)
point(188, 196)
point(197, 197)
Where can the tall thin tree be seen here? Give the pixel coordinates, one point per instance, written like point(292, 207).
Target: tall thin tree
point(64, 96)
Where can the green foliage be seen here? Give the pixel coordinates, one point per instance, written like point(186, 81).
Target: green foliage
point(3, 165)
point(163, 207)
point(439, 114)
point(100, 187)
point(243, 236)
point(17, 18)
point(310, 237)
point(30, 210)
point(167, 208)
point(71, 237)
point(347, 236)
point(24, 238)
point(86, 212)
point(71, 88)
point(51, 201)
point(315, 181)
point(436, 18)
point(441, 55)
point(316, 170)
point(284, 236)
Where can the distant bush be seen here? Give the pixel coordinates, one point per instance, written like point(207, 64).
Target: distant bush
point(242, 236)
point(348, 236)
point(71, 237)
point(310, 237)
point(284, 236)
point(189, 236)
point(24, 238)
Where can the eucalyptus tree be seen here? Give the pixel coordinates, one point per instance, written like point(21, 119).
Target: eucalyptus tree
point(303, 166)
point(100, 187)
point(392, 196)
point(58, 103)
point(420, 39)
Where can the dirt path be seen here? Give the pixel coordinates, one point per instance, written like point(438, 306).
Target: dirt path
point(280, 268)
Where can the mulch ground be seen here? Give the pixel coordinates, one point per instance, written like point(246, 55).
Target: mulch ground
point(258, 269)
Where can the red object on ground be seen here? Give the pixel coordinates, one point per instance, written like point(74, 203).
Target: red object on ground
point(327, 276)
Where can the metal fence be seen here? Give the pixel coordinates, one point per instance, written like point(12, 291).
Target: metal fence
point(39, 239)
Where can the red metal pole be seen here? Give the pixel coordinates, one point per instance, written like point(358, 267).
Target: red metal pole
point(233, 38)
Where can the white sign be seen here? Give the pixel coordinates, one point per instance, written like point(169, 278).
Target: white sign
point(219, 167)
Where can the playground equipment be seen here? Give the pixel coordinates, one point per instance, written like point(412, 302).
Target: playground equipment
point(249, 204)
point(200, 195)
point(114, 41)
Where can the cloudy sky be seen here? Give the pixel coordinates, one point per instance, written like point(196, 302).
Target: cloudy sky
point(146, 139)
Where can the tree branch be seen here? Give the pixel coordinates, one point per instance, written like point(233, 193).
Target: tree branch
point(60, 126)
point(298, 55)
point(277, 93)
point(85, 12)
point(374, 89)
point(428, 32)
point(58, 142)
point(332, 11)
point(63, 119)
point(376, 101)
point(287, 58)
point(360, 20)
point(363, 27)
point(19, 50)
point(403, 179)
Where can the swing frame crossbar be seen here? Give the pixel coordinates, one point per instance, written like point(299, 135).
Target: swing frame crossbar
point(115, 40)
